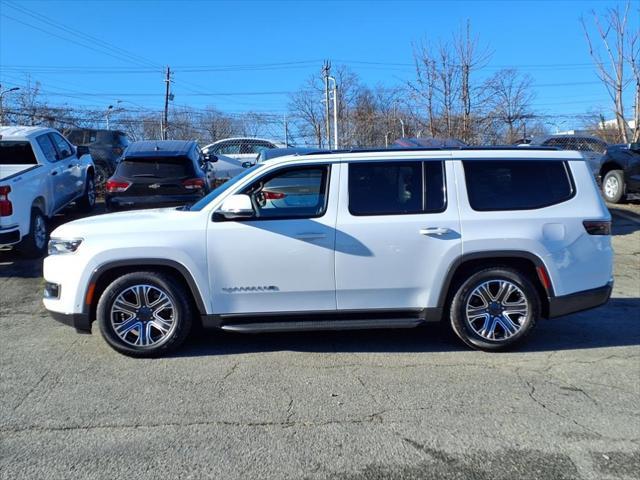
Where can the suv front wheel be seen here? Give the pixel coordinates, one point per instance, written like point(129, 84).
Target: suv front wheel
point(144, 314)
point(494, 309)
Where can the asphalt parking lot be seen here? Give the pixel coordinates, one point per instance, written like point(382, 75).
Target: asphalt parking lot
point(407, 404)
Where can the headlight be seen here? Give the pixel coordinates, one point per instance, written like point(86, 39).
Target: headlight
point(63, 245)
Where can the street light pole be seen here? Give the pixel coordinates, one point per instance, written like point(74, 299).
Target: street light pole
point(109, 108)
point(13, 89)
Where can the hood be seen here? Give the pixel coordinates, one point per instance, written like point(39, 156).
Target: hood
point(147, 221)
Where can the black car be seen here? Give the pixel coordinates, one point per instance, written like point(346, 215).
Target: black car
point(105, 146)
point(159, 174)
point(619, 172)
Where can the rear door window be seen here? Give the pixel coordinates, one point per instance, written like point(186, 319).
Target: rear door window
point(396, 188)
point(46, 145)
point(517, 184)
point(16, 153)
point(156, 167)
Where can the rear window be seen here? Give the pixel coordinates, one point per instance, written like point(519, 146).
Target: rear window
point(169, 167)
point(16, 153)
point(517, 184)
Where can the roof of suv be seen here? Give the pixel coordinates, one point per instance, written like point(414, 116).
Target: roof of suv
point(467, 153)
point(167, 148)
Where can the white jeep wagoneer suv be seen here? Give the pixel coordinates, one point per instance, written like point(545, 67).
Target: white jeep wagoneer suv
point(490, 240)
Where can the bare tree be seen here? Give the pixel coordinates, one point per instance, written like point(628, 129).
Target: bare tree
point(510, 96)
point(633, 57)
point(611, 30)
point(471, 56)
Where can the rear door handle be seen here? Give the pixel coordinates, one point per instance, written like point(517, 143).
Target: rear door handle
point(311, 236)
point(55, 172)
point(434, 231)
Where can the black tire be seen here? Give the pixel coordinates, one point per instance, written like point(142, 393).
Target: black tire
point(127, 342)
point(87, 202)
point(34, 245)
point(468, 295)
point(613, 186)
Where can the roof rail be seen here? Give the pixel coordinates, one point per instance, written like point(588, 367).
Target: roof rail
point(430, 149)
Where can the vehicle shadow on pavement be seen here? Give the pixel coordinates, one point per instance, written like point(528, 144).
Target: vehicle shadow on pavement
point(625, 222)
point(616, 324)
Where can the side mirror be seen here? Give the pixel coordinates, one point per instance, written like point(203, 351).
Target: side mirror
point(82, 150)
point(247, 164)
point(210, 157)
point(236, 206)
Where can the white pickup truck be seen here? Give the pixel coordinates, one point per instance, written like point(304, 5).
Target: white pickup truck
point(40, 174)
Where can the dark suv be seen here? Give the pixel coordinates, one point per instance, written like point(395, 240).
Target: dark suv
point(105, 146)
point(619, 172)
point(159, 174)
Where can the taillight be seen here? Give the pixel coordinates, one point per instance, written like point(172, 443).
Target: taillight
point(6, 207)
point(268, 195)
point(597, 227)
point(115, 186)
point(193, 184)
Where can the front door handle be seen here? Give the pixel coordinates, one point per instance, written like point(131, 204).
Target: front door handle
point(55, 172)
point(434, 231)
point(311, 236)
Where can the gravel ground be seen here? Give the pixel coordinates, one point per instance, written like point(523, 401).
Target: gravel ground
point(350, 405)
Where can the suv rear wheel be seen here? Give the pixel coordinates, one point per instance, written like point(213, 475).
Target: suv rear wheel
point(144, 314)
point(494, 309)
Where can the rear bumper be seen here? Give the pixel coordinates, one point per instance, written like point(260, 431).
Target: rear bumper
point(579, 301)
point(9, 236)
point(150, 201)
point(79, 321)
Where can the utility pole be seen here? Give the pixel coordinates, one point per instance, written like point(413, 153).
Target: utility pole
point(286, 131)
point(335, 113)
point(326, 68)
point(109, 108)
point(165, 122)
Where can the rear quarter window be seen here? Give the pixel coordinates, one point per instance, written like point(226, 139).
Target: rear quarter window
point(517, 184)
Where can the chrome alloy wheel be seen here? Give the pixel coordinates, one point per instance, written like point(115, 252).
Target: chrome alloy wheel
point(39, 232)
point(143, 316)
point(496, 310)
point(611, 187)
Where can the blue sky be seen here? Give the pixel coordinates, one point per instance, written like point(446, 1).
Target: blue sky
point(542, 38)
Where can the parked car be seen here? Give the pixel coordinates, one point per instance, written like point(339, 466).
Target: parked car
point(40, 174)
point(159, 173)
point(618, 171)
point(591, 148)
point(488, 240)
point(268, 154)
point(241, 148)
point(105, 146)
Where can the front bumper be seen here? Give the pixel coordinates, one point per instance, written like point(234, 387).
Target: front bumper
point(79, 321)
point(579, 301)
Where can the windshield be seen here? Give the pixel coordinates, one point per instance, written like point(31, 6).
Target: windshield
point(16, 153)
point(200, 204)
point(160, 167)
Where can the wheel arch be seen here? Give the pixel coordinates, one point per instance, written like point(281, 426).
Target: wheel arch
point(526, 262)
point(608, 166)
point(40, 203)
point(102, 276)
